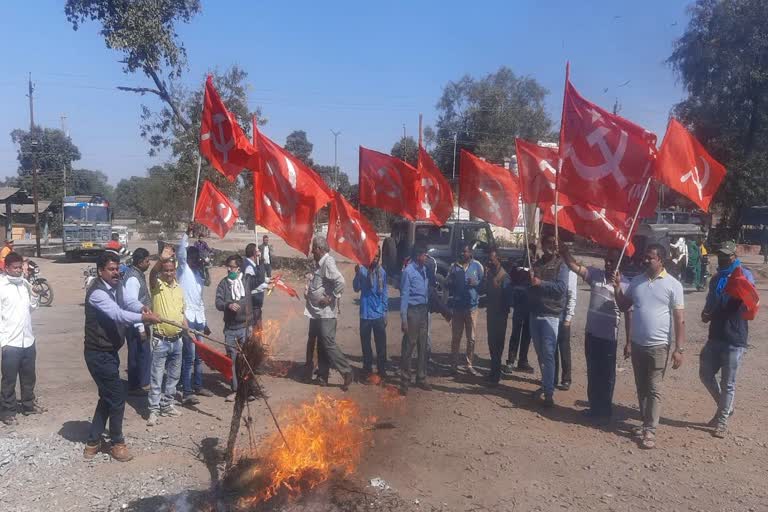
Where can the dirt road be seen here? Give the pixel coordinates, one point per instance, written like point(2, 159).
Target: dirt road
point(458, 447)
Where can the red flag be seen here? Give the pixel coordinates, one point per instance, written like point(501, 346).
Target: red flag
point(278, 283)
point(685, 166)
point(488, 191)
point(605, 158)
point(222, 141)
point(214, 359)
point(388, 183)
point(537, 168)
point(739, 287)
point(435, 194)
point(603, 227)
point(214, 210)
point(350, 233)
point(287, 194)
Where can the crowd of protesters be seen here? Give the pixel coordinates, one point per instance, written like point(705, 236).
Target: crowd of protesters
point(159, 314)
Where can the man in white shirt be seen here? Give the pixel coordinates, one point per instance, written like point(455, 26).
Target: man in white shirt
point(192, 279)
point(17, 341)
point(135, 289)
point(267, 255)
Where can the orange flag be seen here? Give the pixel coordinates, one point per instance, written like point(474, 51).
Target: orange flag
point(350, 233)
point(488, 191)
point(214, 210)
point(435, 202)
point(686, 167)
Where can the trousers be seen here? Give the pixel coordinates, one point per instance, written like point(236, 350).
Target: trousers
point(563, 353)
point(166, 371)
point(104, 368)
point(544, 335)
point(601, 373)
point(417, 317)
point(725, 358)
point(519, 340)
point(463, 321)
point(191, 365)
point(649, 365)
point(378, 328)
point(497, 333)
point(18, 364)
point(328, 352)
point(139, 359)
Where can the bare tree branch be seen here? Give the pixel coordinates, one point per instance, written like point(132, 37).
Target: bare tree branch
point(166, 97)
point(140, 90)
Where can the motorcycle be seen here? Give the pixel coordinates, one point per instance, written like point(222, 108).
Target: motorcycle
point(42, 292)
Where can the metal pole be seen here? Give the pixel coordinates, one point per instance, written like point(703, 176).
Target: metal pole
point(66, 134)
point(34, 166)
point(335, 159)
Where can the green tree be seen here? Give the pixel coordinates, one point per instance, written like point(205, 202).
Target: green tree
point(85, 181)
point(406, 149)
point(486, 115)
point(299, 146)
point(49, 151)
point(722, 60)
point(127, 198)
point(145, 34)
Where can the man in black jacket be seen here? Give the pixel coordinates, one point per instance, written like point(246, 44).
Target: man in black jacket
point(727, 340)
point(107, 314)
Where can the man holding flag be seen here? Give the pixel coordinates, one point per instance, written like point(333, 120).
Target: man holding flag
point(727, 340)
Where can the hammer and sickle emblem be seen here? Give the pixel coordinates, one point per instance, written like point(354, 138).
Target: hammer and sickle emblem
point(393, 184)
point(431, 194)
point(693, 175)
point(224, 213)
point(490, 189)
point(221, 143)
point(284, 204)
point(612, 164)
point(349, 233)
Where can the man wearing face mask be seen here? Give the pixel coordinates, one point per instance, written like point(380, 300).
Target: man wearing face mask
point(727, 340)
point(601, 336)
point(657, 301)
point(17, 342)
point(546, 302)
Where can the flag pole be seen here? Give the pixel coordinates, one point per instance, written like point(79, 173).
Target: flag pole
point(254, 129)
point(199, 165)
point(634, 220)
point(458, 185)
point(525, 235)
point(560, 150)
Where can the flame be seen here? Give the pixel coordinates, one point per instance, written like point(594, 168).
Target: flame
point(325, 438)
point(374, 379)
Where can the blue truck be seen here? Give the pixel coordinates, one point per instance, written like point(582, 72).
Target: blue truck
point(87, 225)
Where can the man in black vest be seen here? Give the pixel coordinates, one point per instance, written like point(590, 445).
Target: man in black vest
point(136, 337)
point(107, 314)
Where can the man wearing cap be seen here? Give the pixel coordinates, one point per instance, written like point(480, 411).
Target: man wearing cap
point(727, 339)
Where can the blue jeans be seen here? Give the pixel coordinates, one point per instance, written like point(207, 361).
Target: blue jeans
point(139, 359)
point(166, 361)
point(544, 335)
point(191, 366)
point(725, 358)
point(231, 338)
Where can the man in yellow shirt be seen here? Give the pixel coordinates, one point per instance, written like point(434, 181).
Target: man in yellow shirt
point(167, 303)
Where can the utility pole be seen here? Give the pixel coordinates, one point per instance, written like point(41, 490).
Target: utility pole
point(66, 134)
point(335, 159)
point(35, 143)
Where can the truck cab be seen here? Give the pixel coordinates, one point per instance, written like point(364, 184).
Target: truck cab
point(86, 225)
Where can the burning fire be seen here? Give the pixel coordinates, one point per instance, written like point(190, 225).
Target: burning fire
point(324, 439)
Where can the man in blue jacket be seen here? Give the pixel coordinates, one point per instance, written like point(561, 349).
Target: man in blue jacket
point(464, 280)
point(371, 282)
point(727, 340)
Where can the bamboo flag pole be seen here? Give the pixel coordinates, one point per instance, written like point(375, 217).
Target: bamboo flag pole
point(560, 151)
point(632, 226)
point(247, 363)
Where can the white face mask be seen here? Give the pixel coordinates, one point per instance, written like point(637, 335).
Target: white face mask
point(16, 280)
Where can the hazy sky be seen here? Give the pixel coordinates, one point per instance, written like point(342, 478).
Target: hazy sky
point(364, 68)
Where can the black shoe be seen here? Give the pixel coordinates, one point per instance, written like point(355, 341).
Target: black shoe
point(548, 402)
point(564, 386)
point(426, 386)
point(348, 378)
point(319, 381)
point(525, 368)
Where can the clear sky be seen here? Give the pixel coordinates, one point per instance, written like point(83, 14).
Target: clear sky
point(362, 68)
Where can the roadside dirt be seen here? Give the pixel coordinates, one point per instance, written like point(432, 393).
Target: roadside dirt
point(459, 447)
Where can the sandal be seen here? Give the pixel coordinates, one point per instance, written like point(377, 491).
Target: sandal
point(649, 441)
